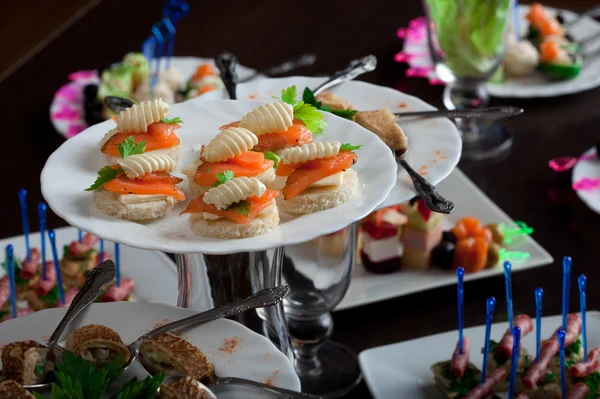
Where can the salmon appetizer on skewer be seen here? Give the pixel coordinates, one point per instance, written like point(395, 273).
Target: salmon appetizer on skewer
point(316, 176)
point(147, 122)
point(229, 151)
point(139, 186)
point(236, 208)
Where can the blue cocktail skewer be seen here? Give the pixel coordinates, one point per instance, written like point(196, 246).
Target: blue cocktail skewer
point(460, 272)
point(582, 288)
point(117, 264)
point(489, 313)
point(101, 256)
point(514, 361)
point(42, 218)
point(565, 289)
point(12, 286)
point(25, 220)
point(507, 284)
point(539, 295)
point(61, 291)
point(79, 235)
point(561, 343)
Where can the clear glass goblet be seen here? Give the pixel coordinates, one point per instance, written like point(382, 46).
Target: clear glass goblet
point(319, 273)
point(467, 41)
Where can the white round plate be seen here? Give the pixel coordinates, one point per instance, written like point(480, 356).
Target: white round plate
point(74, 166)
point(434, 144)
point(254, 357)
point(67, 112)
point(588, 167)
point(536, 84)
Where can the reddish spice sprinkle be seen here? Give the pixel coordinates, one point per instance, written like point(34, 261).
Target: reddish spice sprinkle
point(402, 105)
point(270, 380)
point(229, 345)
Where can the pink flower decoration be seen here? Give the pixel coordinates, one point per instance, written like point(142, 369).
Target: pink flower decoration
point(69, 92)
point(66, 113)
point(401, 33)
point(76, 128)
point(83, 75)
point(403, 57)
point(586, 184)
point(436, 82)
point(421, 72)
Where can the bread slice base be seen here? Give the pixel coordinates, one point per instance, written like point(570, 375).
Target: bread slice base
point(225, 228)
point(108, 203)
point(321, 198)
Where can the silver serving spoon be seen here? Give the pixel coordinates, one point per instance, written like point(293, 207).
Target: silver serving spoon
point(261, 299)
point(429, 194)
point(95, 280)
point(278, 392)
point(355, 68)
point(176, 377)
point(492, 113)
point(227, 64)
point(287, 66)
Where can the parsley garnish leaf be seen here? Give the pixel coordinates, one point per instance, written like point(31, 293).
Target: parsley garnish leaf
point(464, 384)
point(51, 297)
point(309, 98)
point(273, 157)
point(311, 116)
point(549, 378)
point(593, 383)
point(105, 175)
point(222, 177)
point(242, 207)
point(344, 113)
point(289, 95)
point(574, 348)
point(172, 120)
point(350, 147)
point(130, 147)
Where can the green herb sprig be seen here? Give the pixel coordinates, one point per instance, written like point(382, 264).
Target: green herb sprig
point(223, 177)
point(307, 113)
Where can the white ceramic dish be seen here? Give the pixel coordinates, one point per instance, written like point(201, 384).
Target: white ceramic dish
point(434, 144)
point(148, 269)
point(253, 357)
point(186, 65)
point(367, 287)
point(73, 167)
point(538, 85)
point(588, 167)
point(401, 370)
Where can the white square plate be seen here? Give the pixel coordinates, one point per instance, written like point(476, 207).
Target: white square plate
point(367, 287)
point(401, 370)
point(153, 272)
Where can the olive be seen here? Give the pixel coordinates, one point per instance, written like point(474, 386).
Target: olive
point(449, 237)
point(497, 233)
point(493, 254)
point(443, 254)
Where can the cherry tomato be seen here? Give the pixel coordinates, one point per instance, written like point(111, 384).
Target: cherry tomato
point(459, 231)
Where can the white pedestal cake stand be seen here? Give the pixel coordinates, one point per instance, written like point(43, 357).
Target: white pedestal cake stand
point(212, 271)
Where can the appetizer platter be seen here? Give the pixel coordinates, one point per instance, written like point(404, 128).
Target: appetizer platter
point(532, 67)
point(134, 267)
point(222, 347)
point(79, 103)
point(368, 287)
point(586, 179)
point(434, 145)
point(560, 361)
point(122, 179)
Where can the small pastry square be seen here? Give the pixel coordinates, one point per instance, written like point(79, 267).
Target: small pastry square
point(26, 362)
point(97, 344)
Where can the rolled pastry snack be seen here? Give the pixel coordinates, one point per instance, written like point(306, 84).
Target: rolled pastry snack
point(26, 362)
point(10, 389)
point(97, 344)
point(171, 354)
point(185, 388)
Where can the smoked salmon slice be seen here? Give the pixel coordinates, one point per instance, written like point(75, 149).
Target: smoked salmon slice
point(257, 204)
point(536, 15)
point(121, 185)
point(160, 177)
point(295, 135)
point(152, 142)
point(316, 170)
point(242, 165)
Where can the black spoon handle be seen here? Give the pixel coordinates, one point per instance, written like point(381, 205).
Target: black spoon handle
point(227, 64)
point(492, 113)
point(427, 191)
point(287, 66)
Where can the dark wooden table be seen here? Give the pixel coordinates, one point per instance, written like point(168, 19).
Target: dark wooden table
point(264, 33)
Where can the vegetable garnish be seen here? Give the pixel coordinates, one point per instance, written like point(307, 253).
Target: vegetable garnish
point(172, 120)
point(223, 177)
point(309, 98)
point(146, 388)
point(242, 207)
point(273, 157)
point(350, 147)
point(105, 175)
point(307, 113)
point(593, 382)
point(130, 147)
